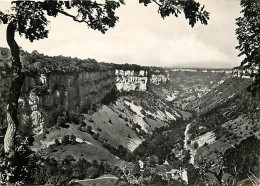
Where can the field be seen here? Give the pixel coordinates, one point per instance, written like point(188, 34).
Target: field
point(105, 180)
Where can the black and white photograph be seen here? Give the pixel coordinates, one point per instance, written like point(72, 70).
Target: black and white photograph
point(130, 92)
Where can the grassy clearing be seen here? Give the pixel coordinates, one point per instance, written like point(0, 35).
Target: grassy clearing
point(87, 151)
point(105, 180)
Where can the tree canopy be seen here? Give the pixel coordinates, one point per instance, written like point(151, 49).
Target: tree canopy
point(30, 17)
point(191, 9)
point(248, 35)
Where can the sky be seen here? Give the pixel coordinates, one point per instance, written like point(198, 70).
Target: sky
point(142, 37)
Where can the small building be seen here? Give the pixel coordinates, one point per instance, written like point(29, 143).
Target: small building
point(173, 174)
point(141, 164)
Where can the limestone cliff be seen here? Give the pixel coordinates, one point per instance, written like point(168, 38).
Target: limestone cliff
point(158, 79)
point(45, 97)
point(40, 105)
point(129, 80)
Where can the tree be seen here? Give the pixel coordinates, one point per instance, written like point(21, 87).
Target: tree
point(65, 140)
point(248, 35)
point(136, 171)
point(196, 145)
point(89, 129)
point(73, 139)
point(92, 172)
point(57, 142)
point(29, 19)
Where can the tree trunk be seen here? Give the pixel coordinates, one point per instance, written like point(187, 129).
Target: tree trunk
point(14, 93)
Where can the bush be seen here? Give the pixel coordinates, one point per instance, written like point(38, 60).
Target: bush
point(89, 129)
point(30, 140)
point(136, 171)
point(99, 129)
point(96, 136)
point(92, 172)
point(73, 139)
point(91, 120)
point(196, 145)
point(74, 117)
point(61, 121)
point(18, 171)
point(83, 124)
point(57, 142)
point(65, 140)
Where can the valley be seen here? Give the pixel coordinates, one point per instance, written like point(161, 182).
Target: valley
point(128, 124)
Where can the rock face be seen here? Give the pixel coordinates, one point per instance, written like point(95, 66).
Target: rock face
point(130, 80)
point(46, 97)
point(40, 105)
point(158, 79)
point(243, 72)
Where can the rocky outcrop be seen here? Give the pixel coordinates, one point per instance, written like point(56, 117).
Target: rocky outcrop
point(245, 72)
point(44, 98)
point(131, 80)
point(158, 79)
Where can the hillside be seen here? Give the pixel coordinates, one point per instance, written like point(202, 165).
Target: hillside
point(206, 141)
point(217, 130)
point(124, 119)
point(225, 91)
point(186, 87)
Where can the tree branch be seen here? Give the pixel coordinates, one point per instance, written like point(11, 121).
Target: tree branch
point(72, 16)
point(157, 3)
point(3, 18)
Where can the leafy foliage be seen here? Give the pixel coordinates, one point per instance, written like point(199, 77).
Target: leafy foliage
point(30, 168)
point(36, 63)
point(248, 35)
point(30, 17)
point(127, 66)
point(161, 142)
point(51, 171)
point(18, 170)
point(39, 63)
point(243, 159)
point(191, 9)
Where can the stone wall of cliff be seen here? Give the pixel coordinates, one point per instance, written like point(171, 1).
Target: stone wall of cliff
point(130, 80)
point(43, 99)
point(47, 96)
